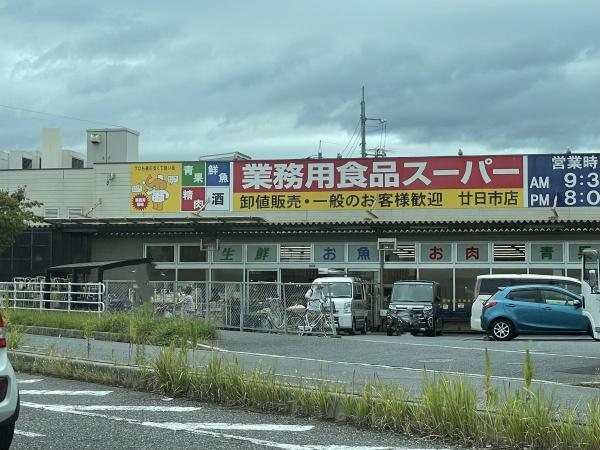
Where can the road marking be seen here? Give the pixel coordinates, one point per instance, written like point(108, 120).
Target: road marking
point(28, 434)
point(69, 408)
point(387, 367)
point(215, 434)
point(235, 426)
point(456, 347)
point(29, 381)
point(59, 392)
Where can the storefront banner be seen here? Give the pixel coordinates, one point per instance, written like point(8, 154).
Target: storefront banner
point(575, 250)
point(176, 187)
point(261, 253)
point(435, 253)
point(155, 187)
point(571, 180)
point(228, 253)
point(361, 200)
point(363, 253)
point(328, 252)
point(547, 252)
point(434, 182)
point(472, 253)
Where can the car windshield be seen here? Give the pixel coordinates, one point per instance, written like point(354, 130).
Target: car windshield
point(418, 292)
point(341, 289)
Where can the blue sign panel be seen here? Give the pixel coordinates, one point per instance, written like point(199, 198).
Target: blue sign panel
point(218, 173)
point(569, 180)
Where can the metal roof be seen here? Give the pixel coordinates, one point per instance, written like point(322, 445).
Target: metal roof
point(242, 226)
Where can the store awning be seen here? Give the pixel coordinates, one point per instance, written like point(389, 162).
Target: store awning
point(86, 267)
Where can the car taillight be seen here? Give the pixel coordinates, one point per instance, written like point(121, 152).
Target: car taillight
point(489, 304)
point(2, 334)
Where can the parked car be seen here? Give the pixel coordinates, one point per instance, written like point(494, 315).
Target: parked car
point(349, 296)
point(487, 285)
point(9, 394)
point(531, 309)
point(415, 306)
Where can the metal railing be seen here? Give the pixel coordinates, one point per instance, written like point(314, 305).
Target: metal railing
point(271, 307)
point(37, 294)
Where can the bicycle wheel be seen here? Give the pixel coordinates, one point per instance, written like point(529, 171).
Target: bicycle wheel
point(277, 314)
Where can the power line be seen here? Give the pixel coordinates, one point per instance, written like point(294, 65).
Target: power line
point(351, 137)
point(15, 108)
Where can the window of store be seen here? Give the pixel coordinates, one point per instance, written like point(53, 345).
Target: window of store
point(465, 283)
point(403, 253)
point(191, 274)
point(509, 270)
point(227, 275)
point(294, 253)
point(546, 271)
point(161, 253)
point(509, 252)
point(192, 254)
point(446, 279)
point(161, 275)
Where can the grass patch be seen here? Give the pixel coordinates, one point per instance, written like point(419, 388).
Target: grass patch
point(141, 327)
point(448, 410)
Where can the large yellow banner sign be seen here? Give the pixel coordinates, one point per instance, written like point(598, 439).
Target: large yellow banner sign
point(155, 187)
point(357, 200)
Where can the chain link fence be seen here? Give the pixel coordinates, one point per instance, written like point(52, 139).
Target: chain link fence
point(272, 307)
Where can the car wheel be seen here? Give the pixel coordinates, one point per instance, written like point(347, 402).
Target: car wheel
point(6, 436)
point(353, 329)
point(440, 328)
point(502, 330)
point(414, 333)
point(363, 330)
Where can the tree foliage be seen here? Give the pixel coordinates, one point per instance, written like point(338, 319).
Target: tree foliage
point(15, 215)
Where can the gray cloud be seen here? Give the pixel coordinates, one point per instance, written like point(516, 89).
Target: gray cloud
point(273, 78)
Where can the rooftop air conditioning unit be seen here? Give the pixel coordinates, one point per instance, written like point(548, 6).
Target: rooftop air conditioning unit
point(95, 138)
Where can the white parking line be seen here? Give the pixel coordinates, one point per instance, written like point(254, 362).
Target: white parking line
point(387, 367)
point(457, 347)
point(69, 408)
point(29, 381)
point(28, 434)
point(62, 392)
point(235, 426)
point(215, 434)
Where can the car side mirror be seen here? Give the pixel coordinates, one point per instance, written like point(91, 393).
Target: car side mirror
point(577, 303)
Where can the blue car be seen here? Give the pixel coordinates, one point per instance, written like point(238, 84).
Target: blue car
point(531, 309)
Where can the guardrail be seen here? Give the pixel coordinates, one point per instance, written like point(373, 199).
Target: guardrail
point(28, 294)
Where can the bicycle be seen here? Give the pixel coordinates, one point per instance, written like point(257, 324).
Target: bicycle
point(316, 322)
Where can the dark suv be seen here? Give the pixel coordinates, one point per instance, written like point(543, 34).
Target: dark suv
point(415, 306)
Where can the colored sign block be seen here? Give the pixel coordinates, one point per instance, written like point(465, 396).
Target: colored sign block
point(563, 180)
point(155, 187)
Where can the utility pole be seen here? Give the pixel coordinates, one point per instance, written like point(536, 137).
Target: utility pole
point(363, 122)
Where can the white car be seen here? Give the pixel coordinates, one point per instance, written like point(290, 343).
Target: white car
point(488, 285)
point(9, 394)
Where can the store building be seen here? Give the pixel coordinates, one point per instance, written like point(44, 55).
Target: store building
point(448, 218)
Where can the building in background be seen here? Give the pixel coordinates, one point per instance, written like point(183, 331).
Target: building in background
point(230, 218)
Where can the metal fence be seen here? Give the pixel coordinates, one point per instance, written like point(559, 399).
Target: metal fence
point(273, 307)
point(36, 293)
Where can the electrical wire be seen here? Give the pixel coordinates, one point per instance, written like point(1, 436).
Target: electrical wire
point(351, 138)
point(15, 108)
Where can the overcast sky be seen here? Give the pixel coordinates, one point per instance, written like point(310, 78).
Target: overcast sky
point(271, 78)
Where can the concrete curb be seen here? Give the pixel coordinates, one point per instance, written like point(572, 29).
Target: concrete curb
point(71, 333)
point(127, 375)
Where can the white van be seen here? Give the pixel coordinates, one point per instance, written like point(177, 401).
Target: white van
point(487, 285)
point(350, 303)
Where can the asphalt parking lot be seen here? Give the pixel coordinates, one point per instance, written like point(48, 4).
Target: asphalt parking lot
point(65, 414)
point(560, 363)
